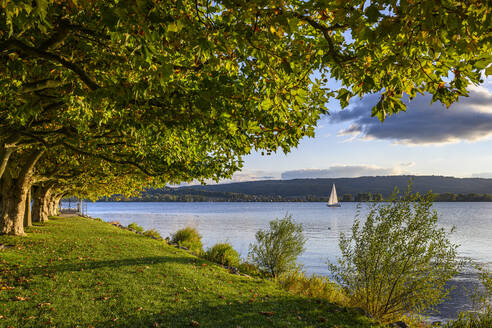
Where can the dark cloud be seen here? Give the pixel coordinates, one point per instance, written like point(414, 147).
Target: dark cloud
point(339, 171)
point(423, 123)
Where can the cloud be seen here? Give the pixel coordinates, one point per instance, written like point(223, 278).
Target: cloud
point(251, 176)
point(341, 171)
point(484, 175)
point(243, 176)
point(407, 164)
point(469, 119)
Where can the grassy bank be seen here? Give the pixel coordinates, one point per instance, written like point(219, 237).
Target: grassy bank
point(81, 272)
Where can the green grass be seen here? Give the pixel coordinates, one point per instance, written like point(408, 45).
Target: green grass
point(81, 272)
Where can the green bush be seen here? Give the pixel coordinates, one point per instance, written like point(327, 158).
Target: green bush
point(398, 261)
point(249, 268)
point(135, 227)
point(223, 254)
point(277, 249)
point(153, 233)
point(297, 282)
point(471, 320)
point(189, 238)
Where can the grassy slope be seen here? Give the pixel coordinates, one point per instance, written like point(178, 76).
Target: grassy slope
point(80, 272)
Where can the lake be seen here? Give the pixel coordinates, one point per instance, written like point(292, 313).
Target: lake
point(237, 224)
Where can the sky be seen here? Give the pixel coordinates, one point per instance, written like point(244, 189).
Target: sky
point(425, 140)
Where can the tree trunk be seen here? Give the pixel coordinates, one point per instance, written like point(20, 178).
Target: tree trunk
point(52, 210)
point(13, 205)
point(27, 211)
point(14, 193)
point(57, 203)
point(40, 208)
point(36, 203)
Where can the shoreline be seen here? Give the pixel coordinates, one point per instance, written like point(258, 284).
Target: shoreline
point(180, 215)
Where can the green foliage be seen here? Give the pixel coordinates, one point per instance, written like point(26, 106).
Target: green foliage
point(314, 286)
point(79, 272)
point(398, 261)
point(249, 269)
point(189, 238)
point(153, 233)
point(224, 254)
point(277, 248)
point(472, 320)
point(135, 227)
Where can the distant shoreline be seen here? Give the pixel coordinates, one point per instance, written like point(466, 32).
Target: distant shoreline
point(280, 201)
point(362, 189)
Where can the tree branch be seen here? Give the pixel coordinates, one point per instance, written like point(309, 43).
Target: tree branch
point(57, 38)
point(36, 52)
point(108, 159)
point(40, 85)
point(9, 147)
point(325, 30)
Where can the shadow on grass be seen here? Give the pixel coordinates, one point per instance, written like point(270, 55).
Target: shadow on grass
point(290, 311)
point(85, 265)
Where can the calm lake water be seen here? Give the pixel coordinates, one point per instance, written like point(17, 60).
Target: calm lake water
point(237, 224)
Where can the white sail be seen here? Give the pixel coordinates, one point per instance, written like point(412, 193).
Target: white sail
point(333, 196)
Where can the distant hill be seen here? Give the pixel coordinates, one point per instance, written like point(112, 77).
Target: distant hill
point(379, 184)
point(349, 189)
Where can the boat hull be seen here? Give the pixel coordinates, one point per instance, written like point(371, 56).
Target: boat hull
point(334, 205)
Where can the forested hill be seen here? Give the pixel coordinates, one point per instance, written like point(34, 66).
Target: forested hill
point(380, 184)
point(348, 189)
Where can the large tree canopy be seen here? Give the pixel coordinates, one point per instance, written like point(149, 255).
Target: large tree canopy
point(181, 90)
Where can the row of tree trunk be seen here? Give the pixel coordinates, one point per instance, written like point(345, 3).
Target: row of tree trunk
point(21, 210)
point(23, 200)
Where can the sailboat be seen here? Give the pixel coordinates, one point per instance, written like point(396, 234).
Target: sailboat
point(333, 201)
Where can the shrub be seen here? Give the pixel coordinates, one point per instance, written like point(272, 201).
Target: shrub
point(153, 234)
point(223, 254)
point(249, 268)
point(189, 238)
point(277, 249)
point(398, 261)
point(297, 282)
point(135, 227)
point(472, 320)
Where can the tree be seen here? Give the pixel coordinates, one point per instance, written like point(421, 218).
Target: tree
point(181, 90)
point(378, 197)
point(276, 249)
point(193, 98)
point(347, 198)
point(398, 261)
point(363, 197)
